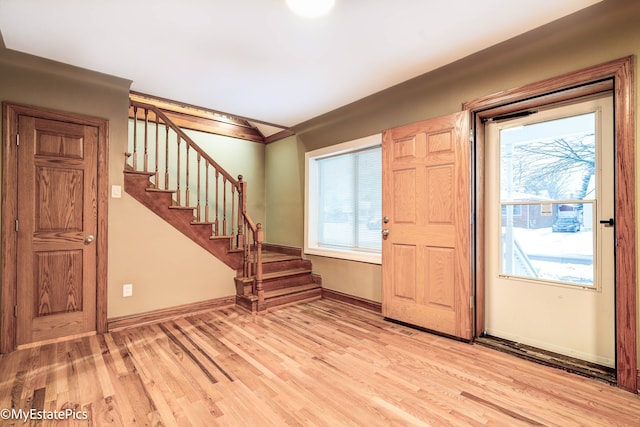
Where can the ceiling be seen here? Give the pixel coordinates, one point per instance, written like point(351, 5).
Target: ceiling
point(256, 59)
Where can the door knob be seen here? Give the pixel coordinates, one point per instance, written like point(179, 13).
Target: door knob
point(89, 239)
point(385, 232)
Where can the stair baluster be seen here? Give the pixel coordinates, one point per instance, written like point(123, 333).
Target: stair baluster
point(146, 141)
point(134, 158)
point(259, 291)
point(157, 176)
point(224, 204)
point(206, 193)
point(166, 158)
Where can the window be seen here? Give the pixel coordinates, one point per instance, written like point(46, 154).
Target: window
point(517, 210)
point(343, 213)
point(548, 182)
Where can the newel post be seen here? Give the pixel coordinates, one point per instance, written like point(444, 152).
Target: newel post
point(259, 290)
point(242, 209)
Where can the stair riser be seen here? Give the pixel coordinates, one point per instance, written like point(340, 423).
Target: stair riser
point(243, 287)
point(285, 282)
point(288, 250)
point(251, 306)
point(271, 267)
point(206, 228)
point(181, 219)
point(309, 295)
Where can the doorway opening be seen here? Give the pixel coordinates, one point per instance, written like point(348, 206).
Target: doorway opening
point(612, 77)
point(549, 278)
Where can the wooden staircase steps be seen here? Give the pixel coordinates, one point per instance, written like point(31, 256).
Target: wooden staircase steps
point(140, 187)
point(287, 279)
point(268, 276)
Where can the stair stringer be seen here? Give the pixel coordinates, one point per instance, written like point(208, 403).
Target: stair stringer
point(139, 186)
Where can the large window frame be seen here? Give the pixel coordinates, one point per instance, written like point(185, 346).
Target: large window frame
point(311, 217)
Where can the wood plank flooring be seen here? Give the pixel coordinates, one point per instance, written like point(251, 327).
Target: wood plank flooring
point(323, 363)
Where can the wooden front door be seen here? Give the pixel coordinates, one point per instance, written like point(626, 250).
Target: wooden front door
point(426, 220)
point(56, 227)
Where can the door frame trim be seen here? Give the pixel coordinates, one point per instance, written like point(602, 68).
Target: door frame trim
point(619, 74)
point(8, 291)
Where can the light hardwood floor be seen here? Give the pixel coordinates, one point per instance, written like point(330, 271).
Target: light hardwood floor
point(323, 363)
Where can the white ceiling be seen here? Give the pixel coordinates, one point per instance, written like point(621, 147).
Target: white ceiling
point(254, 58)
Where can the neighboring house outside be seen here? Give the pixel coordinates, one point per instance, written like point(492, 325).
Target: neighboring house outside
point(530, 216)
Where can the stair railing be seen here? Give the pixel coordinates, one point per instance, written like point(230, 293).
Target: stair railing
point(176, 163)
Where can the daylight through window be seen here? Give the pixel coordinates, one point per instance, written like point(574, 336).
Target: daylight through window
point(344, 200)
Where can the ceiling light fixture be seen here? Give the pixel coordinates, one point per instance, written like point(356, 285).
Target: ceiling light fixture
point(310, 8)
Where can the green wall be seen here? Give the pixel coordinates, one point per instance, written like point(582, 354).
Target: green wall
point(239, 157)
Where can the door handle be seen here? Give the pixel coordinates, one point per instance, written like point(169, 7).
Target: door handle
point(89, 239)
point(607, 222)
point(385, 233)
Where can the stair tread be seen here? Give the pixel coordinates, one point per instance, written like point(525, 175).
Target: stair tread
point(276, 256)
point(285, 273)
point(290, 290)
point(159, 190)
point(182, 207)
point(194, 222)
point(133, 172)
point(221, 237)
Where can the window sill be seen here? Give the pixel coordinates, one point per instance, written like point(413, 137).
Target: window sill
point(370, 258)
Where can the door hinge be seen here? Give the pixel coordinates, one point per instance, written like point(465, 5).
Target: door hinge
point(471, 301)
point(18, 140)
point(15, 311)
point(17, 226)
point(471, 136)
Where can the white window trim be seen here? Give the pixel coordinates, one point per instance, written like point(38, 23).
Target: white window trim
point(311, 203)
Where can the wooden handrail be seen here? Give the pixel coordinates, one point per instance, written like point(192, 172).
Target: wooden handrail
point(247, 235)
point(185, 137)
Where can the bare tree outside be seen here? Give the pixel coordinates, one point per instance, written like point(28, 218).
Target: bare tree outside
point(546, 170)
point(552, 166)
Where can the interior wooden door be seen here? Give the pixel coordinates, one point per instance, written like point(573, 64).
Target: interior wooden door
point(57, 226)
point(426, 225)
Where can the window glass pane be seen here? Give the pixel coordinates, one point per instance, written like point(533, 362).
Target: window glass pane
point(350, 200)
point(369, 199)
point(336, 192)
point(551, 160)
point(549, 242)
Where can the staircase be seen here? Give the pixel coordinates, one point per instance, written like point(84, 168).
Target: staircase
point(286, 279)
point(168, 173)
point(139, 185)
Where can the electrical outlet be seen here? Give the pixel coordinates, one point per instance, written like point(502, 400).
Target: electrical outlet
point(127, 290)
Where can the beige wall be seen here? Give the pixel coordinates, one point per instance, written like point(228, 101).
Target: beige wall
point(606, 31)
point(165, 268)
